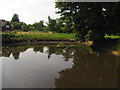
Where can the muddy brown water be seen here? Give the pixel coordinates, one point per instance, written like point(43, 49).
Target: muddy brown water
point(46, 66)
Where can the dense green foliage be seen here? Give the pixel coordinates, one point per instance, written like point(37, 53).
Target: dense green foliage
point(51, 24)
point(17, 25)
point(24, 27)
point(39, 26)
point(60, 25)
point(92, 21)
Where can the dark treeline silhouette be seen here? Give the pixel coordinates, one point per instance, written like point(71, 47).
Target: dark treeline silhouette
point(93, 20)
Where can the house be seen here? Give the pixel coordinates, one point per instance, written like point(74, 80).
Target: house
point(6, 26)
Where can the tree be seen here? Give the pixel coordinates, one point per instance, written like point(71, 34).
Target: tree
point(58, 26)
point(39, 26)
point(95, 19)
point(68, 26)
point(15, 18)
point(51, 24)
point(17, 25)
point(24, 27)
point(31, 27)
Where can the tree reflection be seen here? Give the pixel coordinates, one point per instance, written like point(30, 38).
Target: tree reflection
point(38, 48)
point(89, 71)
point(67, 52)
point(14, 50)
point(51, 50)
point(6, 52)
point(16, 55)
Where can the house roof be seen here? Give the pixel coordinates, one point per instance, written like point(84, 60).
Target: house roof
point(4, 22)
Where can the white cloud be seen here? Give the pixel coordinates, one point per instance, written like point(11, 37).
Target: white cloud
point(29, 11)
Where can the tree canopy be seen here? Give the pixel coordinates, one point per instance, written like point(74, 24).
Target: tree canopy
point(92, 20)
point(15, 18)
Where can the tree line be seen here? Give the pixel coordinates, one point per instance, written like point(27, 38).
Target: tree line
point(55, 25)
point(90, 21)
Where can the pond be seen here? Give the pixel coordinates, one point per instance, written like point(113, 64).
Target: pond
point(47, 66)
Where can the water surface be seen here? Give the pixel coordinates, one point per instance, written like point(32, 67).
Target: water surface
point(46, 66)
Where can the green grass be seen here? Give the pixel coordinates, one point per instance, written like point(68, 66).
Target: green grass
point(112, 37)
point(14, 38)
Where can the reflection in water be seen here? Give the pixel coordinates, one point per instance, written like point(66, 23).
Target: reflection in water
point(89, 71)
point(41, 66)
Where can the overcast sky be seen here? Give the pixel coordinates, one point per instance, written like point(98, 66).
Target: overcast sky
point(29, 11)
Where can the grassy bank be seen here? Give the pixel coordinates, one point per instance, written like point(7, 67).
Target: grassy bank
point(29, 37)
point(112, 37)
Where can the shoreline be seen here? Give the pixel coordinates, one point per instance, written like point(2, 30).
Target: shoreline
point(110, 50)
point(43, 43)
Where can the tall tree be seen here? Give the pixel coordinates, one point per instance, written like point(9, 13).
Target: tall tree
point(51, 24)
point(95, 19)
point(59, 26)
point(39, 25)
point(15, 18)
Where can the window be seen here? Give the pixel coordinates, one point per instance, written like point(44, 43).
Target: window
point(7, 26)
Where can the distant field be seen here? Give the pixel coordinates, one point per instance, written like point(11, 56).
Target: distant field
point(36, 36)
point(41, 35)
